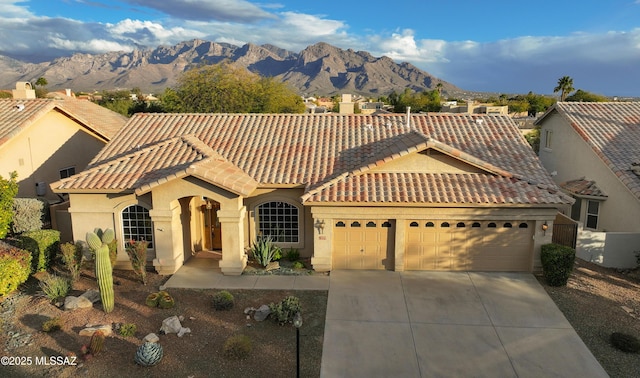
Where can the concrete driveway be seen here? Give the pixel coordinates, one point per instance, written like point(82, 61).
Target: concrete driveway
point(441, 324)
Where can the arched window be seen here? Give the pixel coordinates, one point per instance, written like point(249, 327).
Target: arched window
point(429, 224)
point(491, 225)
point(413, 224)
point(340, 224)
point(444, 224)
point(523, 225)
point(279, 220)
point(460, 224)
point(371, 224)
point(355, 224)
point(507, 225)
point(137, 225)
point(386, 224)
point(475, 224)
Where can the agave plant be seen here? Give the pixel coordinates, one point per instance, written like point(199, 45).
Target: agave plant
point(264, 250)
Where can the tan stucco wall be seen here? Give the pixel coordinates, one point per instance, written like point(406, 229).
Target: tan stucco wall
point(89, 211)
point(291, 196)
point(328, 215)
point(38, 153)
point(428, 161)
point(572, 158)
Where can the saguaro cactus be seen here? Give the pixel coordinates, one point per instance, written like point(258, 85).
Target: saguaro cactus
point(104, 272)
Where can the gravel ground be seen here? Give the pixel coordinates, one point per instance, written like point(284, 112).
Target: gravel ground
point(599, 301)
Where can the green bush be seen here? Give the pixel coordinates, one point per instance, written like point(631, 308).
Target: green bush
point(52, 324)
point(43, 245)
point(27, 215)
point(557, 263)
point(264, 251)
point(626, 343)
point(237, 347)
point(8, 190)
point(128, 329)
point(15, 268)
point(292, 254)
point(297, 265)
point(55, 287)
point(223, 300)
point(284, 311)
point(71, 255)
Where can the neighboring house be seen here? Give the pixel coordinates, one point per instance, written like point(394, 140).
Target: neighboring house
point(593, 152)
point(473, 107)
point(430, 192)
point(46, 140)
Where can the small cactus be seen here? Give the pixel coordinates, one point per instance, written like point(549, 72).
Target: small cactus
point(152, 299)
point(97, 342)
point(165, 300)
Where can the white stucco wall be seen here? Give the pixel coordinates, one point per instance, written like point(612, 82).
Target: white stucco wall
point(610, 249)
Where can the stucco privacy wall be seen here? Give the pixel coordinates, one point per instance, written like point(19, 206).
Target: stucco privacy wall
point(38, 153)
point(89, 211)
point(322, 259)
point(572, 158)
point(610, 249)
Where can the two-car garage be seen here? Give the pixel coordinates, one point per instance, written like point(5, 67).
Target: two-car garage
point(451, 245)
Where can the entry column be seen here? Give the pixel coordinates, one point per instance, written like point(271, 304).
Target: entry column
point(234, 258)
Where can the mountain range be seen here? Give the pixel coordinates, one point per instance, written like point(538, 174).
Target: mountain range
point(320, 69)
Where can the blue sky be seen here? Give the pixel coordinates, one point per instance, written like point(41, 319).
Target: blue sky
point(498, 46)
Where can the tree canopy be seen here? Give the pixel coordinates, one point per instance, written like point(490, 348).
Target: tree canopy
point(585, 96)
point(427, 101)
point(224, 88)
point(565, 86)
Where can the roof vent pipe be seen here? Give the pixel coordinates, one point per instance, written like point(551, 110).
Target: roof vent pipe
point(408, 117)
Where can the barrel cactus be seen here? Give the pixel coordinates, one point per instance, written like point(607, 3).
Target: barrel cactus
point(100, 246)
point(148, 354)
point(97, 342)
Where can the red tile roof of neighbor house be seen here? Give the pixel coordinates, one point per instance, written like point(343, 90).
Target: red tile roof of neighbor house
point(18, 114)
point(612, 130)
point(330, 155)
point(583, 187)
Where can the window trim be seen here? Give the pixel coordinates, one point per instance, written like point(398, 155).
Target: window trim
point(66, 170)
point(548, 139)
point(596, 215)
point(125, 238)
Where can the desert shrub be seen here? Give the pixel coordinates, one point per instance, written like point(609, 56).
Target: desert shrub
point(55, 287)
point(137, 251)
point(71, 255)
point(223, 300)
point(43, 244)
point(626, 343)
point(292, 254)
point(557, 263)
point(15, 268)
point(264, 251)
point(152, 300)
point(237, 347)
point(52, 324)
point(128, 329)
point(284, 311)
point(8, 190)
point(27, 215)
point(297, 265)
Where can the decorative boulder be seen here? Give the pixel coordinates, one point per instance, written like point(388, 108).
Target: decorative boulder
point(148, 354)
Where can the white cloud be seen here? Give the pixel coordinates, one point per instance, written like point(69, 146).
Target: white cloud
point(150, 33)
point(90, 46)
point(14, 8)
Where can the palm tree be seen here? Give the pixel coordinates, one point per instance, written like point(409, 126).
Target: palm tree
point(565, 86)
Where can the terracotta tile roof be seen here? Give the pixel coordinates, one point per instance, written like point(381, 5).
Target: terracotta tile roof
point(434, 188)
point(612, 130)
point(583, 187)
point(17, 115)
point(317, 151)
point(144, 169)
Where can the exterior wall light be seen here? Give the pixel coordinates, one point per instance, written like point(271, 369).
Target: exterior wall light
point(319, 225)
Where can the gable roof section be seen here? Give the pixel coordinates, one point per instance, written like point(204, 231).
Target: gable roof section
point(165, 161)
point(612, 130)
point(319, 151)
point(17, 115)
point(583, 187)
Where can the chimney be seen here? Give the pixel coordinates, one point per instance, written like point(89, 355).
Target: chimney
point(23, 91)
point(67, 91)
point(408, 117)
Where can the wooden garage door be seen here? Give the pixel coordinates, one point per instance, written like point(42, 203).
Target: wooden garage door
point(469, 246)
point(362, 244)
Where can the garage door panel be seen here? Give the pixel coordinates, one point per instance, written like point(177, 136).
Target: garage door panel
point(361, 244)
point(469, 246)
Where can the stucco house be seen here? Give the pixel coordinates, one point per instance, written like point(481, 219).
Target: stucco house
point(45, 140)
point(592, 150)
point(397, 192)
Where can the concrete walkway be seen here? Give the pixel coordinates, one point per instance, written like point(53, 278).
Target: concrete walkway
point(427, 324)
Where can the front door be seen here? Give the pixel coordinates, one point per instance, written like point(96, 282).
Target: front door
point(212, 231)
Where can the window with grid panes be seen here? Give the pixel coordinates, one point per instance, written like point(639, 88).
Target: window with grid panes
point(137, 225)
point(279, 220)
